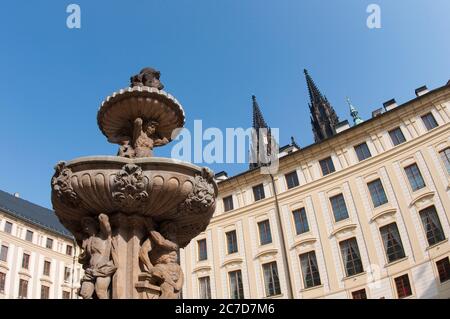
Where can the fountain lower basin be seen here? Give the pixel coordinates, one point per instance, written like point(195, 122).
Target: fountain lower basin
point(158, 188)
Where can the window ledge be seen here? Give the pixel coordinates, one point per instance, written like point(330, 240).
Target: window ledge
point(311, 288)
point(4, 265)
point(437, 244)
point(422, 199)
point(274, 296)
point(354, 276)
point(47, 279)
point(396, 262)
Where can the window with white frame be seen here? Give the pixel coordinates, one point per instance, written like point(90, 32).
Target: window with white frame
point(236, 286)
point(7, 228)
point(265, 236)
point(445, 156)
point(310, 269)
point(292, 179)
point(204, 284)
point(351, 257)
point(392, 242)
point(414, 177)
point(271, 280)
point(232, 244)
point(339, 208)
point(429, 121)
point(327, 166)
point(432, 225)
point(397, 136)
point(377, 193)
point(362, 151)
point(301, 221)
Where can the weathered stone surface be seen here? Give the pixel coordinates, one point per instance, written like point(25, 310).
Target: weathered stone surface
point(132, 213)
point(140, 118)
point(162, 189)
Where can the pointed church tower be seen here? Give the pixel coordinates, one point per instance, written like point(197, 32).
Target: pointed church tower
point(323, 116)
point(259, 123)
point(354, 113)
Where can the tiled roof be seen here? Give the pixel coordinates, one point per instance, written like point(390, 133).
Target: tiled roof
point(32, 213)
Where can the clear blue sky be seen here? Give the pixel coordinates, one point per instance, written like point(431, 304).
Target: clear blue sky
point(213, 55)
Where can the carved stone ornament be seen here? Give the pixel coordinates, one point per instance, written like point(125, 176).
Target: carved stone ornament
point(62, 187)
point(147, 77)
point(156, 205)
point(129, 186)
point(202, 197)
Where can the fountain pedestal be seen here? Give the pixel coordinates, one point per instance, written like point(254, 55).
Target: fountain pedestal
point(131, 213)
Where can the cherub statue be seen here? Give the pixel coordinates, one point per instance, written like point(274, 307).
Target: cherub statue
point(145, 137)
point(97, 257)
point(159, 256)
point(147, 77)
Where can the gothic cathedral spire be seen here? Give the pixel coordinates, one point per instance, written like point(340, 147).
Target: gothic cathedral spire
point(323, 116)
point(260, 127)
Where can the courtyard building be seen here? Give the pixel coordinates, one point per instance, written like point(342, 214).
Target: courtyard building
point(362, 213)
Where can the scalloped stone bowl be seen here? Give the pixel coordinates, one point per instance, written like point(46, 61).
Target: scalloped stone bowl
point(160, 188)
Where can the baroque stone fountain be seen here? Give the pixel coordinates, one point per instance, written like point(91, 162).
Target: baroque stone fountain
point(131, 213)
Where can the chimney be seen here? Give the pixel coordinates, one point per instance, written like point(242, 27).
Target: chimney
point(377, 112)
point(421, 91)
point(221, 176)
point(17, 195)
point(389, 105)
point(342, 126)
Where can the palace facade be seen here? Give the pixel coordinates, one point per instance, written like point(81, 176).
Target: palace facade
point(38, 256)
point(364, 212)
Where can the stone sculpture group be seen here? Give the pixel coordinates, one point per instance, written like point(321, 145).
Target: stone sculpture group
point(132, 213)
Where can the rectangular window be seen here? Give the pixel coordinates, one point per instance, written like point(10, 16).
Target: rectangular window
point(232, 242)
point(359, 294)
point(65, 295)
point(45, 292)
point(29, 236)
point(377, 193)
point(236, 286)
point(310, 270)
point(204, 287)
point(8, 227)
point(69, 250)
point(443, 267)
point(271, 280)
point(49, 243)
point(292, 179)
point(265, 237)
point(228, 203)
point(67, 273)
point(339, 208)
point(2, 282)
point(362, 151)
point(23, 289)
point(327, 166)
point(351, 257)
point(4, 253)
point(414, 177)
point(429, 121)
point(301, 221)
point(445, 156)
point(397, 136)
point(392, 242)
point(432, 225)
point(46, 270)
point(202, 251)
point(403, 286)
point(258, 192)
point(25, 261)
